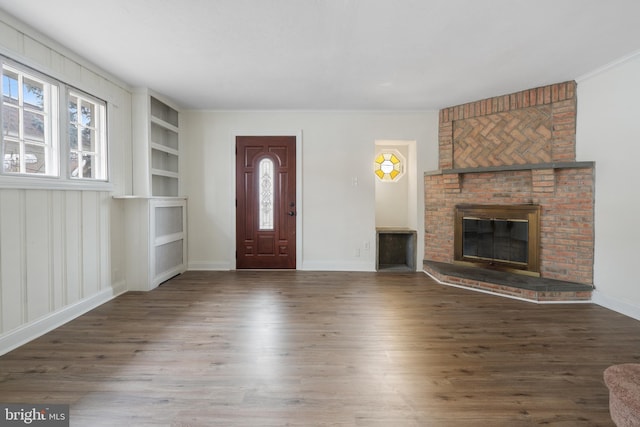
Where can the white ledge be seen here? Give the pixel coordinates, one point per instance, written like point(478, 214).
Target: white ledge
point(52, 183)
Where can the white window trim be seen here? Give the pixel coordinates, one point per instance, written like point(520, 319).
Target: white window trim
point(50, 115)
point(62, 180)
point(102, 152)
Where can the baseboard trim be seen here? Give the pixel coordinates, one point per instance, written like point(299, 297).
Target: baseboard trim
point(615, 304)
point(306, 265)
point(209, 266)
point(337, 266)
point(28, 332)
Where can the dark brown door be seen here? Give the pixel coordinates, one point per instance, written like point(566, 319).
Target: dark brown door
point(265, 202)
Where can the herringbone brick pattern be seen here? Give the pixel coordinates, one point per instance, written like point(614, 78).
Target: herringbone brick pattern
point(515, 137)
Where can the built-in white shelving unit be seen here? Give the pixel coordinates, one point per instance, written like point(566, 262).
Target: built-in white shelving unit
point(156, 212)
point(156, 140)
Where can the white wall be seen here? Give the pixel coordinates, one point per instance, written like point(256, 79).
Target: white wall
point(338, 217)
point(60, 250)
point(608, 132)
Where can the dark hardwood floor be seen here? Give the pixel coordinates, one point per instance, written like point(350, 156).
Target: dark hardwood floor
point(324, 349)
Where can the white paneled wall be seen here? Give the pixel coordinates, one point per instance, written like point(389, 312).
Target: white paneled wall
point(54, 256)
point(61, 251)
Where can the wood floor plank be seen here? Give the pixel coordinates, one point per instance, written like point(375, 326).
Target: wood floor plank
point(276, 348)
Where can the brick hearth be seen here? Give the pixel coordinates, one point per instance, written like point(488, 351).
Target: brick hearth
point(536, 289)
point(516, 149)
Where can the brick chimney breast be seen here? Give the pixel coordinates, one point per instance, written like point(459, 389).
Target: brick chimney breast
point(516, 149)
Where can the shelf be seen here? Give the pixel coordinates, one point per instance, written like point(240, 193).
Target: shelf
point(164, 185)
point(166, 125)
point(156, 148)
point(164, 137)
point(164, 148)
point(163, 112)
point(509, 168)
point(165, 173)
point(162, 161)
point(129, 197)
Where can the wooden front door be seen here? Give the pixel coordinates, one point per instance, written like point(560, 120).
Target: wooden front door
point(265, 202)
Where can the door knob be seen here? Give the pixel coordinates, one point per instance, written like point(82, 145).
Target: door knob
point(292, 213)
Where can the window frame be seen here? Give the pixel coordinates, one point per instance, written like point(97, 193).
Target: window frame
point(101, 151)
point(60, 119)
point(51, 135)
point(381, 163)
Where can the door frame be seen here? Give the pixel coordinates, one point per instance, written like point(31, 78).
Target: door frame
point(299, 206)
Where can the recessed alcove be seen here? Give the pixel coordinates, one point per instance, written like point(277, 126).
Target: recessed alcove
point(395, 176)
point(396, 249)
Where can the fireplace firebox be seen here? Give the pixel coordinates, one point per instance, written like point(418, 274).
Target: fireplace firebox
point(504, 237)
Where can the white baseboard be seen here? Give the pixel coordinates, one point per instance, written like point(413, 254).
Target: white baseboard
point(209, 266)
point(28, 332)
point(306, 265)
point(337, 266)
point(615, 304)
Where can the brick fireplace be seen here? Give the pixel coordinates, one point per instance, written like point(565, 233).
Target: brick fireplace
point(516, 149)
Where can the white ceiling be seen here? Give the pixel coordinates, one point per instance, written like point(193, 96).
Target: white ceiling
point(339, 54)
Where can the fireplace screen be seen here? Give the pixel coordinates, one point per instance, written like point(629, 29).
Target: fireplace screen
point(498, 236)
point(500, 240)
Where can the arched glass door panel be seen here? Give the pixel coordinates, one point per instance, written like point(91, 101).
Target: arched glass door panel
point(265, 202)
